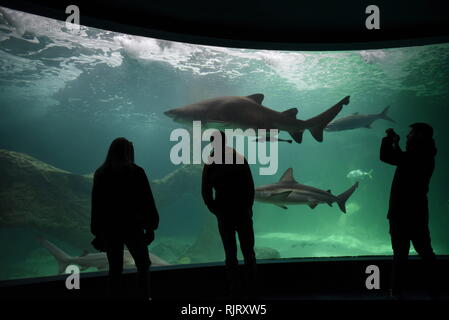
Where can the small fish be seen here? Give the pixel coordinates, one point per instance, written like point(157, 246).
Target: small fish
point(359, 174)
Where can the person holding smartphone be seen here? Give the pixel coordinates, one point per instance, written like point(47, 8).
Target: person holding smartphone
point(408, 212)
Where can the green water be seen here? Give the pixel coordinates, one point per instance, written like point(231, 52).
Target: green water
point(64, 97)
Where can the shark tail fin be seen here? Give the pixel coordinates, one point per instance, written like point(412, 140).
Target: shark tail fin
point(317, 124)
point(383, 115)
point(342, 198)
point(61, 257)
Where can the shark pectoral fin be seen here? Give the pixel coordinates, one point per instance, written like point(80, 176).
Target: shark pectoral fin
point(329, 203)
point(281, 206)
point(297, 136)
point(291, 112)
point(257, 97)
point(312, 205)
point(280, 196)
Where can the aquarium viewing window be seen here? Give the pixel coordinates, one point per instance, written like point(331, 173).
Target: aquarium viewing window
point(65, 95)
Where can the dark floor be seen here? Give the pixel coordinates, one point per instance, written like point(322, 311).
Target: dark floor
point(331, 279)
point(372, 296)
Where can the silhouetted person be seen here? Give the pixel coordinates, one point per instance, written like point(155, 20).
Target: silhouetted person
point(123, 213)
point(234, 197)
point(408, 212)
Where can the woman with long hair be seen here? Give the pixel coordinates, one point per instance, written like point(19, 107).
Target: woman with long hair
point(123, 213)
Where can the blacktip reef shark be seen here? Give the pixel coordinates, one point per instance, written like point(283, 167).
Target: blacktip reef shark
point(92, 260)
point(287, 191)
point(357, 120)
point(240, 112)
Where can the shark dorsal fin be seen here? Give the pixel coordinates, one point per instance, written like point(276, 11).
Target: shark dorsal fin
point(288, 176)
point(257, 97)
point(291, 112)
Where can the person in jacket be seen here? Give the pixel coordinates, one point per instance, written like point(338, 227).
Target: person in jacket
point(123, 213)
point(408, 212)
point(232, 205)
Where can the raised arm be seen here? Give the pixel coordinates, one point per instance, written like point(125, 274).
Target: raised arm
point(390, 152)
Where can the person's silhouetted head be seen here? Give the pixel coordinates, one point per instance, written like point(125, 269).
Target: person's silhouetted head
point(420, 138)
point(220, 150)
point(120, 153)
point(218, 140)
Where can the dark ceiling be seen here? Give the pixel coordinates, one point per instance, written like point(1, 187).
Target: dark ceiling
point(271, 24)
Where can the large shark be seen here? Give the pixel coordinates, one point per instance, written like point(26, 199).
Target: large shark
point(248, 113)
point(287, 191)
point(92, 260)
point(357, 120)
